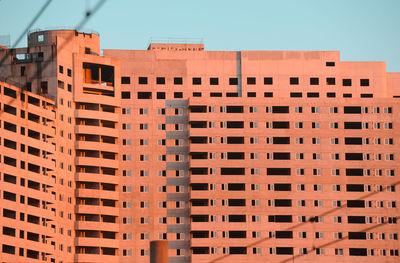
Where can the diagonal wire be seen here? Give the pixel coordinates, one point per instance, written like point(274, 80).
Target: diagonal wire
point(88, 14)
point(311, 220)
point(38, 14)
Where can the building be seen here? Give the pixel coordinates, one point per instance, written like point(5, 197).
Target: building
point(229, 156)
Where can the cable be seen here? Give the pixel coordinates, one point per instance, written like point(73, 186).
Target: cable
point(38, 14)
point(311, 220)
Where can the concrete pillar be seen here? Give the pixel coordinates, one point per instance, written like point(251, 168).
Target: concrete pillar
point(159, 251)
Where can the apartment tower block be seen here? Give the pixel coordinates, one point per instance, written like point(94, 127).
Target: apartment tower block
point(255, 156)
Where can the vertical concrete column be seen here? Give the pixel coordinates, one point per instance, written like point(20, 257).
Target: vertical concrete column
point(159, 251)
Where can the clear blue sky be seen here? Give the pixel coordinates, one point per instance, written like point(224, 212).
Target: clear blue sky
point(364, 30)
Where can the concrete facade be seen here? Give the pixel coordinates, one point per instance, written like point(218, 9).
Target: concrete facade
point(229, 156)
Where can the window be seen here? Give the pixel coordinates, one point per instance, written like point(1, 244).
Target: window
point(251, 81)
point(196, 81)
point(178, 95)
point(214, 81)
point(330, 81)
point(142, 80)
point(125, 95)
point(346, 82)
point(233, 81)
point(314, 81)
point(161, 95)
point(125, 80)
point(268, 81)
point(160, 80)
point(178, 81)
point(294, 81)
point(364, 82)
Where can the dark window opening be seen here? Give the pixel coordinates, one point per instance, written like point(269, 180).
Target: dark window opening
point(236, 187)
point(352, 125)
point(364, 82)
point(161, 95)
point(355, 188)
point(294, 81)
point(215, 94)
point(10, 109)
point(125, 80)
point(236, 202)
point(10, 92)
point(200, 234)
point(346, 82)
point(232, 171)
point(330, 81)
point(198, 140)
point(353, 140)
point(330, 64)
point(199, 155)
point(366, 95)
point(213, 81)
point(312, 94)
point(232, 94)
point(354, 172)
point(281, 156)
point(352, 109)
point(234, 109)
point(278, 171)
point(237, 218)
point(251, 81)
point(296, 94)
point(283, 202)
point(356, 203)
point(235, 140)
point(200, 250)
point(357, 251)
point(284, 250)
point(196, 94)
point(160, 80)
point(331, 95)
point(178, 81)
point(354, 156)
point(238, 250)
point(199, 218)
point(284, 234)
point(282, 187)
point(268, 94)
point(251, 94)
point(280, 125)
point(199, 170)
point(314, 81)
point(196, 81)
point(235, 124)
point(199, 186)
point(268, 81)
point(144, 95)
point(356, 219)
point(281, 140)
point(199, 202)
point(233, 81)
point(347, 95)
point(235, 155)
point(125, 94)
point(280, 218)
point(237, 234)
point(280, 109)
point(142, 80)
point(178, 95)
point(198, 124)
